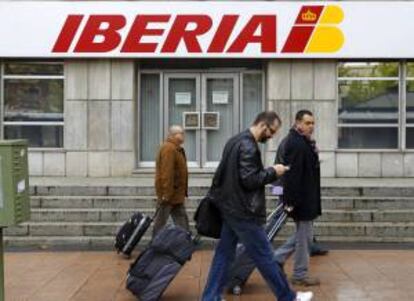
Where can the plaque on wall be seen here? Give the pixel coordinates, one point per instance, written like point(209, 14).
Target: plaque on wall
point(183, 98)
point(191, 120)
point(211, 120)
point(220, 97)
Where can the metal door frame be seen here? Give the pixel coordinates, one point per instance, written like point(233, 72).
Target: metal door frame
point(236, 109)
point(166, 104)
point(201, 77)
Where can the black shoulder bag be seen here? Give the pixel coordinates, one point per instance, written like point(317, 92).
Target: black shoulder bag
point(208, 221)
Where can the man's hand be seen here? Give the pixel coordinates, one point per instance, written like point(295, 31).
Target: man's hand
point(280, 169)
point(288, 209)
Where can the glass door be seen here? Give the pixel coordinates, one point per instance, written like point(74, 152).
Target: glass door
point(182, 107)
point(220, 117)
point(211, 107)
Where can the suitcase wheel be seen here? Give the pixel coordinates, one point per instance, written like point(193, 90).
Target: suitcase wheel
point(237, 290)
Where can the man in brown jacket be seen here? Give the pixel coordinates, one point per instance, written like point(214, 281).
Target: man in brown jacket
point(171, 181)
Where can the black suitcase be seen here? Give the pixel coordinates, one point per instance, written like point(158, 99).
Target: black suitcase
point(131, 232)
point(243, 266)
point(156, 267)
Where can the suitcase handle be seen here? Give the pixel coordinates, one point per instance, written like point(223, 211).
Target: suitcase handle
point(156, 213)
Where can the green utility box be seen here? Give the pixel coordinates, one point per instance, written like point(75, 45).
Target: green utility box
point(14, 183)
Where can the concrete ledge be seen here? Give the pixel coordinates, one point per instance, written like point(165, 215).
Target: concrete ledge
point(147, 180)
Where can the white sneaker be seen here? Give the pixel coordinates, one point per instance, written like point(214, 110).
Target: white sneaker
point(304, 296)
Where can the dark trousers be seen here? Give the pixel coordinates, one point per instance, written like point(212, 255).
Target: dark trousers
point(177, 212)
point(253, 237)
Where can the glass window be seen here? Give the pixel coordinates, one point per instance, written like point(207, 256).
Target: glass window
point(368, 104)
point(252, 97)
point(410, 101)
point(35, 68)
point(409, 136)
point(364, 101)
point(368, 69)
point(368, 137)
point(33, 102)
point(410, 69)
point(150, 122)
point(38, 136)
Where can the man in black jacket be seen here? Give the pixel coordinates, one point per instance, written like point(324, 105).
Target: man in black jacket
point(301, 192)
point(239, 194)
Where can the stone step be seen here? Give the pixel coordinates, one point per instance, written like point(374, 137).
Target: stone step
point(328, 202)
point(200, 189)
point(123, 214)
point(378, 229)
point(107, 242)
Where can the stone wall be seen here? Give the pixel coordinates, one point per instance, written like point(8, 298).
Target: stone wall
point(99, 122)
point(296, 85)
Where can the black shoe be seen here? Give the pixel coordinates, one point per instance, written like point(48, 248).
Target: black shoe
point(317, 250)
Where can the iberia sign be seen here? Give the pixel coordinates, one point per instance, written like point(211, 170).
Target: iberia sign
point(207, 29)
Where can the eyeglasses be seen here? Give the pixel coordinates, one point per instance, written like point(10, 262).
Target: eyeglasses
point(272, 131)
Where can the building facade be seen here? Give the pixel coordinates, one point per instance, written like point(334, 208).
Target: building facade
point(104, 115)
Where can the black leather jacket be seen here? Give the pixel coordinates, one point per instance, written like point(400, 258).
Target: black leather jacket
point(239, 182)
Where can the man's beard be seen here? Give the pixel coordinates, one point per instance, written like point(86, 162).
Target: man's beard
point(263, 139)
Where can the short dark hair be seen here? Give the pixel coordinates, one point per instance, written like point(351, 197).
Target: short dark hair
point(267, 117)
point(301, 113)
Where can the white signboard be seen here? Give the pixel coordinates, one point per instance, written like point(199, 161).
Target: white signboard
point(183, 98)
point(202, 29)
point(220, 97)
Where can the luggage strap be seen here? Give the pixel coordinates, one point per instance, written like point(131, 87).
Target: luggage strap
point(173, 256)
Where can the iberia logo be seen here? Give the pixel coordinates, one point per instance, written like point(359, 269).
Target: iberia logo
point(316, 30)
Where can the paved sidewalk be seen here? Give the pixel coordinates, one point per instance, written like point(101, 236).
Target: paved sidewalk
point(352, 275)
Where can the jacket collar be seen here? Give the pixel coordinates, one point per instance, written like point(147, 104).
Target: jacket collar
point(295, 132)
point(249, 134)
point(173, 141)
point(310, 142)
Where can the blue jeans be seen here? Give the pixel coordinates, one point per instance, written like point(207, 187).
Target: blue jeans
point(254, 238)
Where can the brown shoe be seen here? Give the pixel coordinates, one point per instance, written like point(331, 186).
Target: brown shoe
point(307, 281)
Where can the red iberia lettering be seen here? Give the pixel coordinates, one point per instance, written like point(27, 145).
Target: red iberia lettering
point(179, 32)
point(109, 34)
point(140, 29)
point(223, 33)
point(105, 33)
point(67, 34)
point(267, 36)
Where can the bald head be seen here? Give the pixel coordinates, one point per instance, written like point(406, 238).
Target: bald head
point(175, 129)
point(176, 132)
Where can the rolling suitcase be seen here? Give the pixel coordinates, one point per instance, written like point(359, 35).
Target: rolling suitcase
point(131, 232)
point(156, 267)
point(243, 266)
